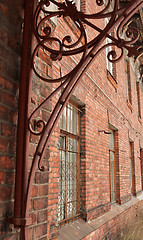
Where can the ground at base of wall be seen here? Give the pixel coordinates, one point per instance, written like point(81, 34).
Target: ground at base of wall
point(123, 222)
point(133, 231)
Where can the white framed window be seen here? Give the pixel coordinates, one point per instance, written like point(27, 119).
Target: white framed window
point(77, 2)
point(109, 65)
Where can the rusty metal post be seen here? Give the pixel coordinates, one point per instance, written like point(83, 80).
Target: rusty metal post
point(21, 178)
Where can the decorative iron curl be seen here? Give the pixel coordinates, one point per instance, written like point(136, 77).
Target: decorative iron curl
point(101, 13)
point(37, 127)
point(131, 31)
point(65, 45)
point(112, 55)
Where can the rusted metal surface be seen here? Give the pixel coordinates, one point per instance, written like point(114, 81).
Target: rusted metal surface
point(36, 27)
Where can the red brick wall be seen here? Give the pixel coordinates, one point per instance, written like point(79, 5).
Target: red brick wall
point(120, 227)
point(10, 51)
point(104, 105)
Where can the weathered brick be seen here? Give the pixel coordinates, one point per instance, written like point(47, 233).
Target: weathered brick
point(7, 130)
point(4, 145)
point(40, 203)
point(10, 178)
point(5, 193)
point(9, 100)
point(2, 177)
point(42, 216)
point(40, 231)
point(7, 162)
point(41, 177)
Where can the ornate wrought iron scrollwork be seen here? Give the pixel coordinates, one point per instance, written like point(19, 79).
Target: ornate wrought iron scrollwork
point(89, 51)
point(86, 50)
point(66, 48)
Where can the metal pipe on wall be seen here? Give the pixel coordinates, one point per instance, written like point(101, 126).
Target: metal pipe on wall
point(21, 177)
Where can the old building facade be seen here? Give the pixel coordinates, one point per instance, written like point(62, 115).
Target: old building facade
point(92, 184)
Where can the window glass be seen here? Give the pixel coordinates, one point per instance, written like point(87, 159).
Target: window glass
point(77, 2)
point(112, 164)
point(69, 164)
point(109, 64)
point(111, 140)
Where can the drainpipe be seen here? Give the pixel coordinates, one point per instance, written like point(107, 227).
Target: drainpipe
point(21, 178)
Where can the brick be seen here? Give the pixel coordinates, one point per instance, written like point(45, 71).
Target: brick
point(7, 162)
point(33, 216)
point(13, 117)
point(12, 146)
point(2, 177)
point(7, 130)
point(9, 100)
point(43, 190)
point(1, 96)
point(41, 177)
point(4, 145)
point(2, 66)
point(6, 84)
point(10, 178)
point(40, 203)
point(42, 216)
point(40, 231)
point(5, 193)
point(3, 35)
point(34, 191)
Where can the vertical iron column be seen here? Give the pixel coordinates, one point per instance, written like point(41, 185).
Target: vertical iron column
point(22, 152)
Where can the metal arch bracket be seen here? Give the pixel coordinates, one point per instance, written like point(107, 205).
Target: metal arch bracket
point(37, 31)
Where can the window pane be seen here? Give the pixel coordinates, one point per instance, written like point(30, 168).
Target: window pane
point(72, 188)
point(108, 50)
point(112, 176)
point(72, 145)
point(62, 142)
point(77, 2)
point(72, 119)
point(111, 140)
point(63, 120)
point(62, 185)
point(68, 145)
point(75, 124)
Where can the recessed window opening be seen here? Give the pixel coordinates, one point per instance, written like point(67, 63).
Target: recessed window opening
point(69, 168)
point(109, 64)
point(112, 165)
point(138, 99)
point(132, 167)
point(129, 91)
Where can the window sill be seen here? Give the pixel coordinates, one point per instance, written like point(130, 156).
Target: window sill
point(112, 80)
point(80, 229)
point(69, 220)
